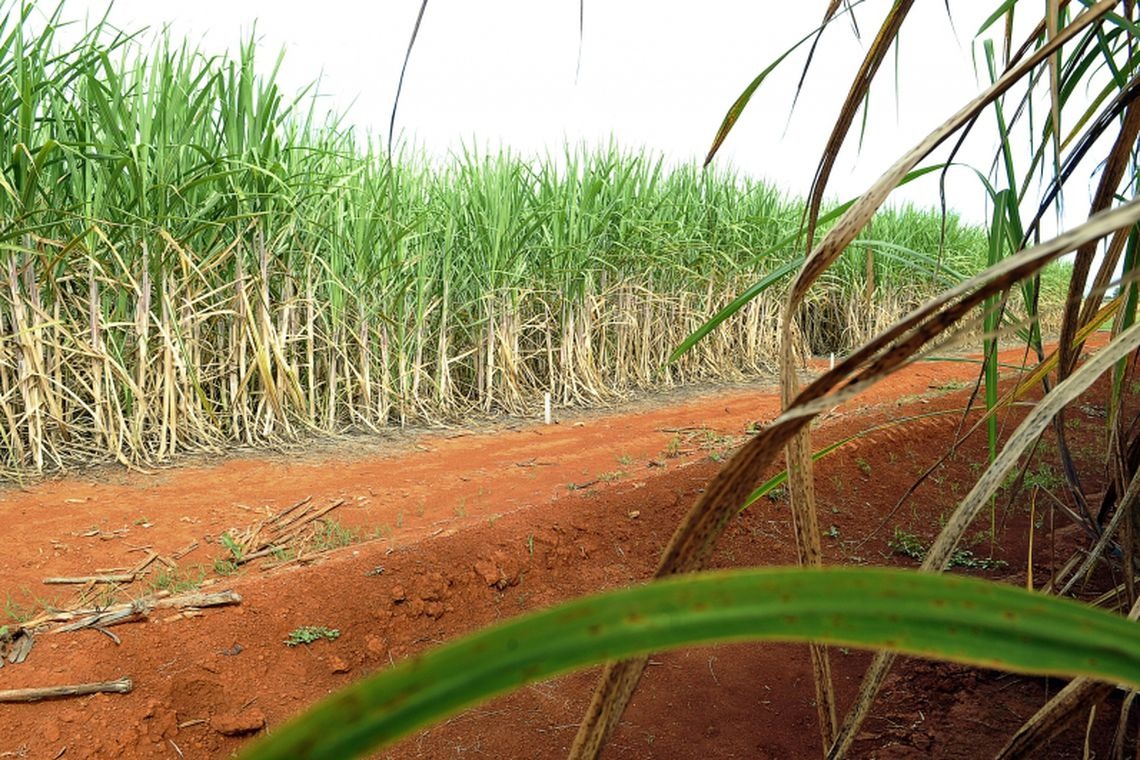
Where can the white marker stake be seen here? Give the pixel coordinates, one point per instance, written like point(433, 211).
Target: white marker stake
point(546, 408)
point(832, 364)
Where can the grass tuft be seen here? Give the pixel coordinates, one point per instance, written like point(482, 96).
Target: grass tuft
point(309, 634)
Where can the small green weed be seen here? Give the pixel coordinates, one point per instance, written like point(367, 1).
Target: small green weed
point(719, 446)
point(232, 546)
point(864, 466)
point(778, 493)
point(107, 597)
point(178, 581)
point(986, 535)
point(225, 566)
point(1045, 477)
point(307, 634)
point(712, 439)
point(909, 545)
point(966, 558)
point(332, 535)
point(17, 612)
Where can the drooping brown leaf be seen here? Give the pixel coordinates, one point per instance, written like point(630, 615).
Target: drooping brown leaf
point(828, 14)
point(1055, 716)
point(860, 86)
point(403, 73)
point(801, 486)
point(1064, 393)
point(1114, 167)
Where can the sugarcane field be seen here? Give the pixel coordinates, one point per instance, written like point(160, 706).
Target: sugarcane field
point(665, 395)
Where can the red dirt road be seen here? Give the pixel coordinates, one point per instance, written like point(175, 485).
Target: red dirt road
point(476, 527)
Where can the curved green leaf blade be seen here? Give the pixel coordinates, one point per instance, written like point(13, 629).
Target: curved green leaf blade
point(737, 303)
point(741, 102)
point(738, 106)
point(948, 617)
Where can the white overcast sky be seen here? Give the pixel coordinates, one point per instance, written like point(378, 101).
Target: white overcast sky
point(657, 74)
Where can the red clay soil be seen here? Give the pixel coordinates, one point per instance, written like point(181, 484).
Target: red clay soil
point(473, 528)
